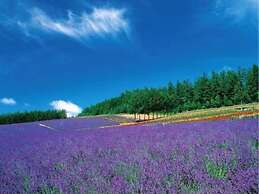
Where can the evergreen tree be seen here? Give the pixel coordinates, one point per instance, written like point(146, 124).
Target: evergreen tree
point(220, 89)
point(252, 84)
point(202, 92)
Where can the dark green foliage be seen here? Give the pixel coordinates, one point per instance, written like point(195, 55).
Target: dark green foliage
point(255, 144)
point(31, 116)
point(252, 83)
point(217, 171)
point(129, 172)
point(189, 186)
point(219, 89)
point(26, 185)
point(49, 190)
point(168, 181)
point(202, 93)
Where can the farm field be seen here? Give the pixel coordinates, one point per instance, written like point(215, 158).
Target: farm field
point(221, 113)
point(129, 97)
point(80, 156)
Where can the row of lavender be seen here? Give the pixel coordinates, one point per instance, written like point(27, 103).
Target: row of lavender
point(60, 124)
point(201, 157)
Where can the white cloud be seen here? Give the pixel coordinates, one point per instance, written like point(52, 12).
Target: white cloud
point(100, 22)
point(237, 10)
point(8, 101)
point(71, 109)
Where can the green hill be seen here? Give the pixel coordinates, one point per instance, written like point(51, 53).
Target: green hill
point(225, 88)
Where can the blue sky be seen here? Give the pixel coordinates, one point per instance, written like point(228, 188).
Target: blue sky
point(72, 54)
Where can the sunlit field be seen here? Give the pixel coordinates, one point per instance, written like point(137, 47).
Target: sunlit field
point(78, 156)
point(129, 97)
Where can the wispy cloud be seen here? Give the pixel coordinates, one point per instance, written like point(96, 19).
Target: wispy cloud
point(71, 109)
point(99, 22)
point(237, 10)
point(8, 101)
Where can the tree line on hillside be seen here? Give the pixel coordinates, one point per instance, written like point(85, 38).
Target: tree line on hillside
point(21, 117)
point(225, 88)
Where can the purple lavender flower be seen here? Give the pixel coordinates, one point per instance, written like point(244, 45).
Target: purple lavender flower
point(77, 156)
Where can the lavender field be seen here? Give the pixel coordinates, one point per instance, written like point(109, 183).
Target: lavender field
point(77, 156)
